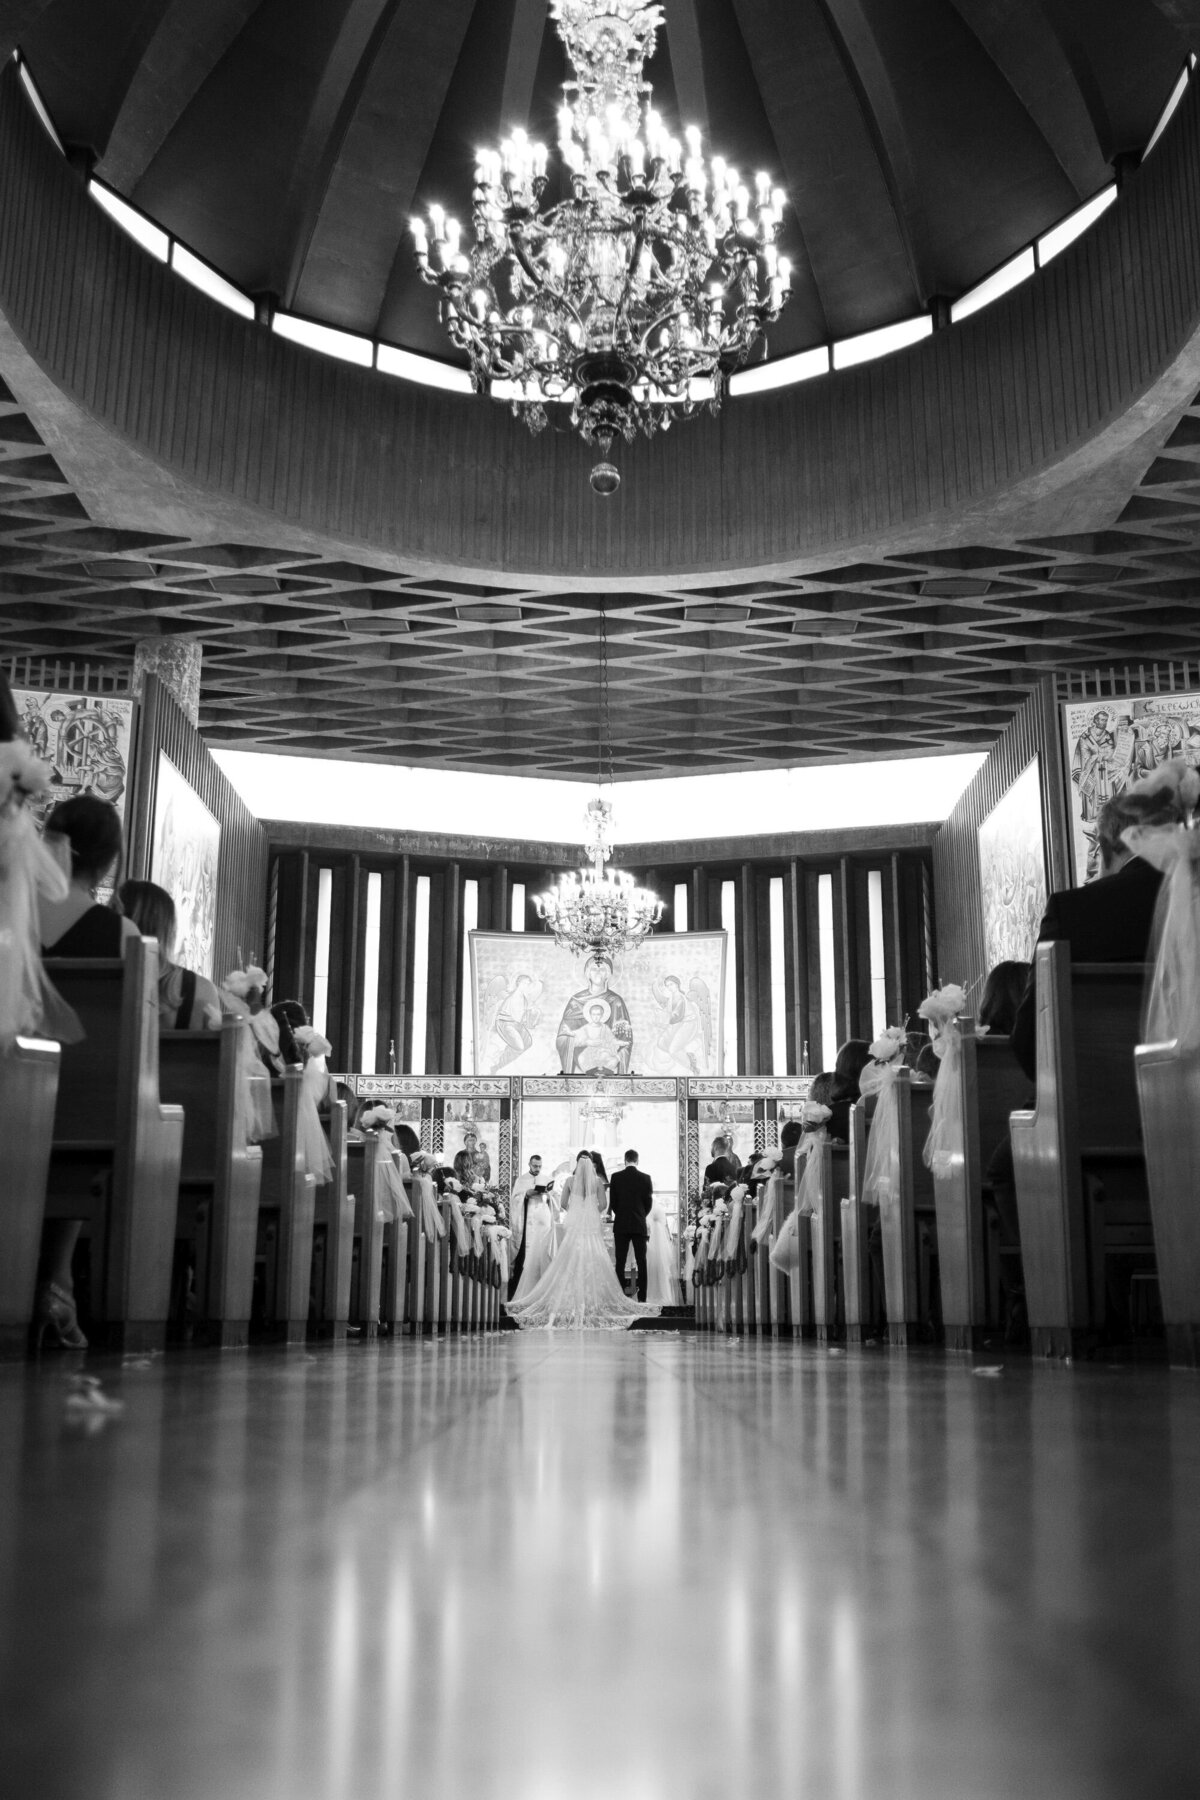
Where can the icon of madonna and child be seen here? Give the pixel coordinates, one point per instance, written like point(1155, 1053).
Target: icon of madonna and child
point(596, 1033)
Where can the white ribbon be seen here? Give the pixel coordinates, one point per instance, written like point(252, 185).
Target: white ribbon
point(770, 1208)
point(432, 1223)
point(1173, 999)
point(462, 1236)
point(809, 1191)
point(733, 1231)
point(314, 1145)
point(390, 1187)
point(881, 1177)
point(944, 1144)
point(29, 1003)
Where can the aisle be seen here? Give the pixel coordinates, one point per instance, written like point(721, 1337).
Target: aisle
point(643, 1567)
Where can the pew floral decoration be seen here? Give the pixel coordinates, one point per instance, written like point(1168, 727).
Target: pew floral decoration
point(1172, 1008)
point(23, 775)
point(424, 1167)
point(815, 1118)
point(244, 982)
point(942, 1009)
point(733, 1230)
point(770, 1197)
point(451, 1198)
point(889, 1044)
point(29, 871)
point(881, 1176)
point(377, 1116)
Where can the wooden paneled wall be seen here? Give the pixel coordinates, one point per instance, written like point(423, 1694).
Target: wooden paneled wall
point(242, 873)
point(300, 853)
point(864, 457)
point(961, 955)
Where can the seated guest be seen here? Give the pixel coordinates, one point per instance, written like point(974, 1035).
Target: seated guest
point(1109, 920)
point(78, 926)
point(926, 1061)
point(724, 1166)
point(1001, 997)
point(186, 1001)
point(852, 1059)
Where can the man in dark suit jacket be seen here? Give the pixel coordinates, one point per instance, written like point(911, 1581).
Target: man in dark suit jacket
point(631, 1195)
point(1110, 920)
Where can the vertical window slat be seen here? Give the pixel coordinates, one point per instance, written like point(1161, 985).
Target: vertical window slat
point(779, 1058)
point(470, 921)
point(729, 926)
point(369, 1058)
point(829, 1027)
point(420, 987)
point(320, 1012)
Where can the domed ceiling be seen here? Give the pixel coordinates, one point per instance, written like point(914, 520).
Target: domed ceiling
point(921, 142)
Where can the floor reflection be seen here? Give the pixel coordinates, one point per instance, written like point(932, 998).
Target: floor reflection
point(568, 1567)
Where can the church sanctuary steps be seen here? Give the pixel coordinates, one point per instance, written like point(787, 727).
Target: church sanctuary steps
point(220, 1176)
point(1077, 1157)
point(991, 1085)
point(287, 1214)
point(1168, 1083)
point(117, 1148)
point(28, 1090)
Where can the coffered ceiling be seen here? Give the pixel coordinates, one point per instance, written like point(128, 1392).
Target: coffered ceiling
point(908, 654)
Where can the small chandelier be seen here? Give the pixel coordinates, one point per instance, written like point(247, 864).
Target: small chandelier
point(599, 911)
point(632, 298)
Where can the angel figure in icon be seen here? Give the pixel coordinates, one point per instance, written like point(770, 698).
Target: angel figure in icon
point(511, 1016)
point(683, 1044)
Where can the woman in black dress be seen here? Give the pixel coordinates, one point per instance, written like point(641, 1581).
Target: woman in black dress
point(76, 926)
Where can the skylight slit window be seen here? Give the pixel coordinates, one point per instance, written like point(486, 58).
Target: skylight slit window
point(882, 342)
point(783, 372)
point(391, 360)
point(1074, 225)
point(325, 338)
point(1176, 95)
point(151, 237)
point(1001, 281)
point(201, 276)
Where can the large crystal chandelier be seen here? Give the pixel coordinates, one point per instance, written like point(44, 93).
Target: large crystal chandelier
point(637, 289)
point(599, 911)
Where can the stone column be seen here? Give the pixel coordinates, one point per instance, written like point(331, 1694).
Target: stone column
point(176, 662)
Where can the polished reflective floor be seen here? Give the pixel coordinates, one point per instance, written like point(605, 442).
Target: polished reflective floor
point(644, 1567)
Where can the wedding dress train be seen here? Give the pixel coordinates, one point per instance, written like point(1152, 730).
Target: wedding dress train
point(662, 1263)
point(580, 1288)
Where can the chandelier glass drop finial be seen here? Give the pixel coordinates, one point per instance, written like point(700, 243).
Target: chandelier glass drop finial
point(632, 295)
point(599, 911)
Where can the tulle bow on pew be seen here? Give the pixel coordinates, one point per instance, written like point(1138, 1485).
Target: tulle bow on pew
point(314, 1084)
point(705, 1227)
point(770, 1205)
point(29, 869)
point(815, 1119)
point(733, 1229)
point(432, 1223)
point(498, 1237)
point(944, 1142)
point(1172, 1007)
point(452, 1201)
point(881, 1176)
point(393, 1201)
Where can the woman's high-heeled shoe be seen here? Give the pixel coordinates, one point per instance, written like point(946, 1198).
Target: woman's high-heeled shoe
point(54, 1312)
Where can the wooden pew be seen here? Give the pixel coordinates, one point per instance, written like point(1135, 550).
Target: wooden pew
point(380, 1294)
point(220, 1175)
point(287, 1209)
point(825, 1234)
point(907, 1230)
point(1084, 1129)
point(859, 1296)
point(335, 1211)
point(1168, 1082)
point(28, 1092)
point(110, 1123)
point(991, 1085)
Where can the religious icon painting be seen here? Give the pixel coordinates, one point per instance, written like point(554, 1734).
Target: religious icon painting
point(1112, 744)
point(1012, 871)
point(184, 858)
point(540, 1011)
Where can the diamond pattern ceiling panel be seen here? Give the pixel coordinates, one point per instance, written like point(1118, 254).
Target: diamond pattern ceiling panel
point(910, 654)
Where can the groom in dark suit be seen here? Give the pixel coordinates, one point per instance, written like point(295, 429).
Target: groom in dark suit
point(631, 1195)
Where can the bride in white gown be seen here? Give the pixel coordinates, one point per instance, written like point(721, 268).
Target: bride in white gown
point(580, 1287)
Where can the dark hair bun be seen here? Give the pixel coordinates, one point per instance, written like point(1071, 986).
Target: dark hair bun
point(93, 829)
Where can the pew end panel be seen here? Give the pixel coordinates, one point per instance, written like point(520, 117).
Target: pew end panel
point(1084, 1123)
point(29, 1074)
point(334, 1210)
point(117, 1148)
point(288, 1202)
point(220, 1171)
point(1168, 1081)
